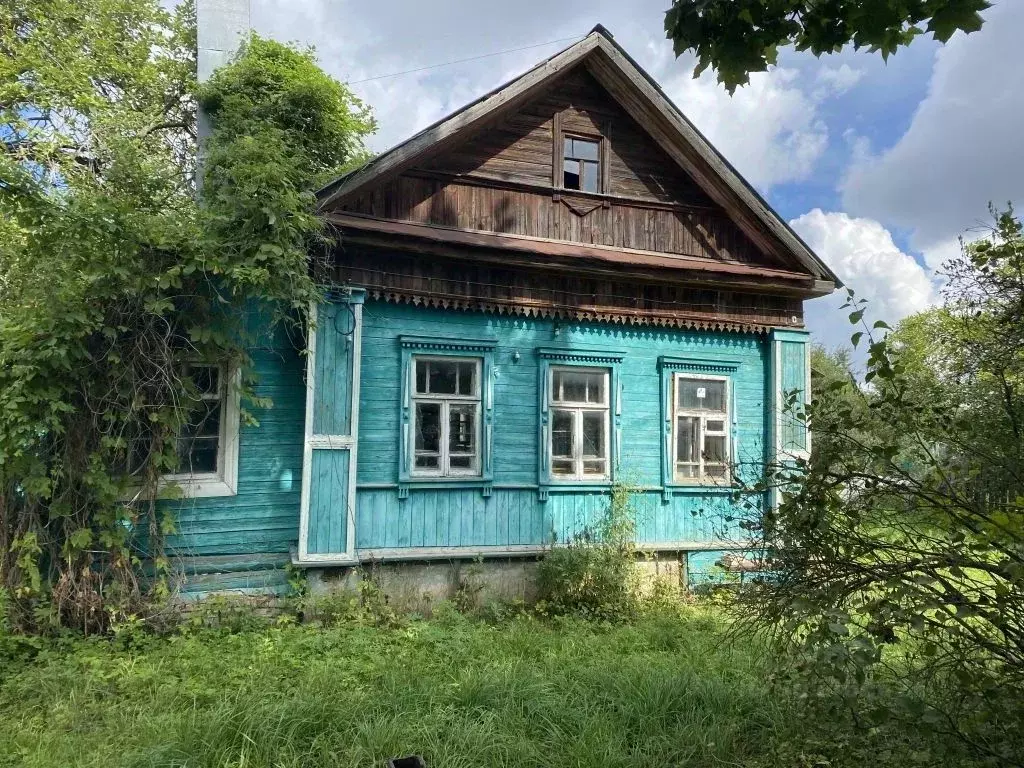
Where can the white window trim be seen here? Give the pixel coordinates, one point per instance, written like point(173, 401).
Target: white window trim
point(444, 471)
point(223, 482)
point(725, 416)
point(577, 410)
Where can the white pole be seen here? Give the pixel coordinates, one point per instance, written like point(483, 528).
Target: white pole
point(221, 26)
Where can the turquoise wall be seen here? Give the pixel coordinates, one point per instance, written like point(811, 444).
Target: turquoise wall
point(264, 515)
point(513, 515)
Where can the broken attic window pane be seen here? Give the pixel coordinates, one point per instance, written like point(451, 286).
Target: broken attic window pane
point(571, 178)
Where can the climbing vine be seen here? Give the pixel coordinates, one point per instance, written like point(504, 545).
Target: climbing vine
point(114, 277)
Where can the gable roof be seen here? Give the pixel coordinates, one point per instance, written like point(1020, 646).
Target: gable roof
point(639, 94)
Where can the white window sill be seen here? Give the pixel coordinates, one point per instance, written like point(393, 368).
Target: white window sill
point(191, 486)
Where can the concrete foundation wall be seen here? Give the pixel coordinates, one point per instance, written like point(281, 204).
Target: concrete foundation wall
point(417, 587)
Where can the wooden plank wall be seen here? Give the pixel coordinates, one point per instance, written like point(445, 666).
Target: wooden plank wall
point(263, 517)
point(501, 181)
point(520, 147)
point(467, 284)
point(462, 516)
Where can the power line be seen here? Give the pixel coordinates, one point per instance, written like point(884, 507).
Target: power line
point(461, 61)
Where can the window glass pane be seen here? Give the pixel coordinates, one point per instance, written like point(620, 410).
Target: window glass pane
point(206, 379)
point(428, 427)
point(421, 376)
point(571, 174)
point(700, 394)
point(686, 470)
point(686, 438)
point(467, 376)
point(714, 425)
point(573, 386)
point(714, 448)
point(578, 387)
point(593, 468)
point(427, 462)
point(590, 182)
point(567, 147)
point(562, 434)
point(584, 150)
point(593, 434)
point(715, 471)
point(442, 378)
point(461, 428)
point(197, 454)
point(204, 420)
point(561, 467)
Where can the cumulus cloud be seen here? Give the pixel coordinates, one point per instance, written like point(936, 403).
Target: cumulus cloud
point(962, 148)
point(864, 256)
point(835, 81)
point(769, 130)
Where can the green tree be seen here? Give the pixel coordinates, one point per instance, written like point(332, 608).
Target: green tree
point(737, 37)
point(900, 544)
point(112, 277)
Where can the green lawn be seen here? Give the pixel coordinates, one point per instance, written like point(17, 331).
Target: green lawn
point(665, 691)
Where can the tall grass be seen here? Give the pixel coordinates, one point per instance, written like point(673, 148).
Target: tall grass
point(665, 691)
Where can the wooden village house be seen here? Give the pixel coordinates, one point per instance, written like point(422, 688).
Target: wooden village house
point(559, 287)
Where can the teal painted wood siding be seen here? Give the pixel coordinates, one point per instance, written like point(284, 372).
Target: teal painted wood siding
point(263, 517)
point(506, 510)
point(332, 414)
point(328, 502)
point(461, 514)
point(442, 518)
point(793, 379)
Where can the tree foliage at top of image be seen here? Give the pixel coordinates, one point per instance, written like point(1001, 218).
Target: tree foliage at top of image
point(113, 277)
point(738, 37)
point(897, 551)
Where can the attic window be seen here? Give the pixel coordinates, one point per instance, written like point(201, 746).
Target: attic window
point(581, 164)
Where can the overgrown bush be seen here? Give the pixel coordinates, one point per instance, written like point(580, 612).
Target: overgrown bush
point(113, 279)
point(898, 548)
point(594, 574)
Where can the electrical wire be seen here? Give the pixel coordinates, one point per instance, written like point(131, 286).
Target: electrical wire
point(462, 61)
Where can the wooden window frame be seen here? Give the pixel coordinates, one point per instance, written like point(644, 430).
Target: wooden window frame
point(577, 409)
point(702, 416)
point(223, 482)
point(448, 349)
point(558, 158)
point(445, 402)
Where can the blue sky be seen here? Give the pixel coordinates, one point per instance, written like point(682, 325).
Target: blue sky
point(879, 166)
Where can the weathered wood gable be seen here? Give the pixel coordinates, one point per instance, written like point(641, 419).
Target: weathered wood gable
point(506, 179)
point(669, 235)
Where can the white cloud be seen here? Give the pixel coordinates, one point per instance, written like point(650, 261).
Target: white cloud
point(864, 256)
point(962, 148)
point(769, 129)
point(835, 81)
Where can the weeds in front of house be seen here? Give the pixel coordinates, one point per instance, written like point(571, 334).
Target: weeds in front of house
point(594, 575)
point(670, 687)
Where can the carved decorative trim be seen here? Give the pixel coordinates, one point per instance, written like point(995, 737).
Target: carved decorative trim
point(667, 363)
point(567, 313)
point(432, 343)
point(579, 355)
point(581, 207)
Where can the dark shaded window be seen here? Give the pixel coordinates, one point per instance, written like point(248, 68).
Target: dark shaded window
point(198, 444)
point(581, 164)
